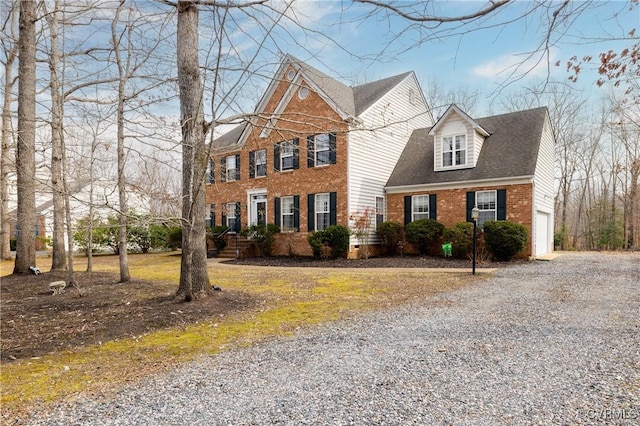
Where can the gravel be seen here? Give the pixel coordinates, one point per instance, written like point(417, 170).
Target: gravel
point(537, 343)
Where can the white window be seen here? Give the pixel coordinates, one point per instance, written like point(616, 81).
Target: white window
point(323, 213)
point(261, 163)
point(231, 215)
point(286, 155)
point(454, 151)
point(287, 211)
point(379, 211)
point(419, 207)
point(322, 149)
point(486, 203)
point(233, 172)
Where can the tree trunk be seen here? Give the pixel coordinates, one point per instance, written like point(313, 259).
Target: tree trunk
point(194, 278)
point(5, 226)
point(122, 192)
point(58, 258)
point(25, 167)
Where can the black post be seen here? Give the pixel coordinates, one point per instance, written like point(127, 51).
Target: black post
point(475, 226)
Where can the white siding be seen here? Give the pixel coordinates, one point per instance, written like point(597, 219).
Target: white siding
point(376, 145)
point(544, 193)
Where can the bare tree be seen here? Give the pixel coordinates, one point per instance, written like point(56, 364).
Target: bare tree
point(10, 50)
point(58, 258)
point(25, 167)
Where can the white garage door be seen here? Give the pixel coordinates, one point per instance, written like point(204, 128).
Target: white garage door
point(542, 233)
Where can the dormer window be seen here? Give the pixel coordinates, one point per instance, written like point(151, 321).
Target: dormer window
point(454, 150)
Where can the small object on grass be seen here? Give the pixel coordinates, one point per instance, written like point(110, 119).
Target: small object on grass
point(57, 287)
point(35, 270)
point(216, 288)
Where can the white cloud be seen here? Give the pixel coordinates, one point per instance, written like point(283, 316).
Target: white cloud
point(534, 64)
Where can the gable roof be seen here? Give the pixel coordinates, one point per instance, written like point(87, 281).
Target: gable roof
point(351, 101)
point(453, 108)
point(511, 150)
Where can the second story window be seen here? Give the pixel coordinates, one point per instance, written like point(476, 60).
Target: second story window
point(258, 163)
point(454, 151)
point(321, 150)
point(285, 155)
point(230, 168)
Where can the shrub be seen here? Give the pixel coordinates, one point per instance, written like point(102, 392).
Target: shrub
point(174, 237)
point(334, 236)
point(391, 234)
point(316, 243)
point(424, 233)
point(461, 238)
point(505, 239)
point(262, 236)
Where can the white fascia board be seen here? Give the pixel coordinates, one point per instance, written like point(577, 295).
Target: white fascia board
point(459, 185)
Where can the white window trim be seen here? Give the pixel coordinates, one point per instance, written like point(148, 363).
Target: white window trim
point(264, 163)
point(231, 213)
point(316, 150)
point(481, 210)
point(413, 205)
point(453, 151)
point(283, 214)
point(231, 177)
point(317, 211)
point(283, 147)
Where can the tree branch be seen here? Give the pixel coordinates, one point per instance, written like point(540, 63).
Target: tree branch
point(440, 19)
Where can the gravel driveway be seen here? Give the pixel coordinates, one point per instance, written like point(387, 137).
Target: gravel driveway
point(538, 343)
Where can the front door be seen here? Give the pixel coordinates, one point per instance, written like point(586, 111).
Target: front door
point(259, 210)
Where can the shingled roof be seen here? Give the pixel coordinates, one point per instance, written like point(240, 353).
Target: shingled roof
point(511, 150)
point(351, 100)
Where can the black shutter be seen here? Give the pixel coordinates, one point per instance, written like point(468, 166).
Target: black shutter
point(471, 202)
point(224, 217)
point(311, 155)
point(237, 227)
point(501, 203)
point(433, 208)
point(407, 209)
point(296, 212)
point(212, 214)
point(332, 148)
point(276, 157)
point(276, 211)
point(252, 164)
point(211, 176)
point(333, 208)
point(238, 167)
point(311, 217)
point(296, 155)
point(223, 169)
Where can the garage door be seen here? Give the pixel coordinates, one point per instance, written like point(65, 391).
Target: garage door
point(542, 233)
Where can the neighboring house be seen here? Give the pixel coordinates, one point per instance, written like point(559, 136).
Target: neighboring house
point(502, 164)
point(315, 152)
point(102, 193)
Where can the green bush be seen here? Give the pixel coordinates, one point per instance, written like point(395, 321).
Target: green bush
point(461, 238)
point(334, 236)
point(391, 234)
point(13, 244)
point(315, 240)
point(262, 236)
point(423, 233)
point(505, 239)
point(174, 237)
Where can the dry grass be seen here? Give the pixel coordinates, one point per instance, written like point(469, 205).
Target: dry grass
point(282, 303)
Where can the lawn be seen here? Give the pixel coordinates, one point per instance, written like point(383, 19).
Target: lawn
point(106, 335)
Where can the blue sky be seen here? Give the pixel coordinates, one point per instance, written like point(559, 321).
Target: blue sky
point(479, 60)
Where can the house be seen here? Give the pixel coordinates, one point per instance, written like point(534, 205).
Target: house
point(502, 164)
point(315, 152)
